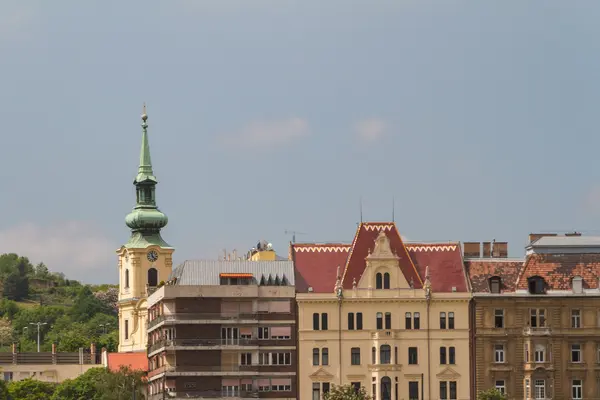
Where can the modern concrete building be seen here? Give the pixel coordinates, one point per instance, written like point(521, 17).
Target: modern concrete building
point(537, 320)
point(224, 329)
point(379, 313)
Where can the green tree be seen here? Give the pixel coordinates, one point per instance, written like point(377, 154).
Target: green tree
point(41, 271)
point(87, 305)
point(30, 389)
point(346, 392)
point(491, 394)
point(102, 384)
point(3, 390)
point(84, 387)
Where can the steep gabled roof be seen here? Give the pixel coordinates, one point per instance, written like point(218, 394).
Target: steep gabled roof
point(364, 242)
point(446, 268)
point(481, 270)
point(559, 269)
point(316, 265)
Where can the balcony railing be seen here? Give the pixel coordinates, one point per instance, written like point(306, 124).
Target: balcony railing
point(221, 368)
point(205, 394)
point(383, 334)
point(203, 316)
point(218, 342)
point(537, 331)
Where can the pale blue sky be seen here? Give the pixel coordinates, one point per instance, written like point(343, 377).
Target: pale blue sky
point(480, 117)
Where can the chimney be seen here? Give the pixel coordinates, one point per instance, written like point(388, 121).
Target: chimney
point(92, 349)
point(500, 250)
point(14, 348)
point(53, 348)
point(234, 254)
point(535, 236)
point(487, 250)
point(472, 249)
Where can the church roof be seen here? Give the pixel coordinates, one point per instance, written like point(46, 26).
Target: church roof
point(208, 272)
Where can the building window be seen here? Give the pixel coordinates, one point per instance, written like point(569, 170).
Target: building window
point(450, 320)
point(324, 321)
point(350, 321)
point(388, 320)
point(413, 357)
point(413, 390)
point(408, 320)
point(379, 320)
point(446, 394)
point(499, 318)
point(396, 355)
point(374, 355)
point(386, 280)
point(577, 389)
point(386, 388)
point(499, 353)
point(495, 282)
point(126, 329)
point(575, 318)
point(540, 353)
point(356, 386)
point(442, 320)
point(526, 352)
point(359, 325)
point(576, 353)
point(536, 285)
point(374, 389)
point(326, 386)
point(325, 356)
point(378, 281)
point(316, 356)
point(316, 392)
point(385, 354)
point(315, 321)
point(246, 359)
point(527, 389)
point(152, 277)
point(417, 320)
point(577, 284)
point(443, 390)
point(538, 318)
point(453, 391)
point(540, 389)
point(127, 279)
point(598, 356)
point(355, 356)
point(451, 355)
point(501, 387)
point(442, 355)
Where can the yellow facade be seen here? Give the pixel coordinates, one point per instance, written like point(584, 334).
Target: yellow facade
point(427, 374)
point(136, 270)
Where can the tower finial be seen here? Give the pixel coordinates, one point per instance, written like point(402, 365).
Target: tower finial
point(144, 114)
point(145, 168)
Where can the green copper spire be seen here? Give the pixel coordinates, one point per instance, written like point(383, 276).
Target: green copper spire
point(145, 220)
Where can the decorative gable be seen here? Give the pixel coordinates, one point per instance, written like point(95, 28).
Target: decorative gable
point(448, 373)
point(321, 376)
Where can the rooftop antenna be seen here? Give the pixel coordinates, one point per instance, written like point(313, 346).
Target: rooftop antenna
point(294, 233)
point(360, 208)
point(393, 209)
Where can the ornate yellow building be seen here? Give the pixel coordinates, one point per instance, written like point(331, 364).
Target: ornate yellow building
point(391, 317)
point(145, 259)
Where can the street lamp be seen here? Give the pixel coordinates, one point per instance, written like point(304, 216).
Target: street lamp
point(38, 326)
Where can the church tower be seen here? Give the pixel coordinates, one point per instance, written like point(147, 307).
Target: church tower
point(146, 259)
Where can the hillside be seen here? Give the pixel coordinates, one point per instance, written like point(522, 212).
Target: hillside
point(73, 315)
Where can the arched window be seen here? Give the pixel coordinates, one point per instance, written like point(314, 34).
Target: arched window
point(379, 320)
point(374, 355)
point(386, 280)
point(378, 281)
point(126, 278)
point(152, 277)
point(536, 285)
point(385, 354)
point(386, 388)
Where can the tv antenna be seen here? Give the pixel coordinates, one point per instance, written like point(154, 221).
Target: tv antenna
point(294, 233)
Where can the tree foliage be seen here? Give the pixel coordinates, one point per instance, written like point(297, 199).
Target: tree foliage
point(102, 384)
point(491, 394)
point(30, 389)
point(346, 392)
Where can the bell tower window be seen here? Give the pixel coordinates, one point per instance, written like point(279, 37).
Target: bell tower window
point(152, 277)
point(127, 279)
point(378, 281)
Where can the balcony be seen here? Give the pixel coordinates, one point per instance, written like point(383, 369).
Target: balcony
point(205, 394)
point(193, 317)
point(538, 331)
point(383, 335)
point(220, 370)
point(215, 344)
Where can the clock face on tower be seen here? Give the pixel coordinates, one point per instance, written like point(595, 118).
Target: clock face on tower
point(152, 256)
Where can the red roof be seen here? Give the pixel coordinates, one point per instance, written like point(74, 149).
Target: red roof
point(315, 265)
point(481, 270)
point(559, 269)
point(364, 243)
point(134, 361)
point(446, 269)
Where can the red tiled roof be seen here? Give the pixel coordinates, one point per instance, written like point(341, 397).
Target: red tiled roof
point(446, 269)
point(481, 270)
point(135, 361)
point(315, 265)
point(365, 240)
point(558, 270)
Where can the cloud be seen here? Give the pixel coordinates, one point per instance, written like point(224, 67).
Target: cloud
point(370, 130)
point(270, 134)
point(76, 248)
point(591, 201)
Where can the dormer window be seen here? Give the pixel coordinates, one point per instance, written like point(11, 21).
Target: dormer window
point(536, 285)
point(495, 283)
point(577, 284)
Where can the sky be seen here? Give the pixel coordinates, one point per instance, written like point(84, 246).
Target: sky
point(477, 119)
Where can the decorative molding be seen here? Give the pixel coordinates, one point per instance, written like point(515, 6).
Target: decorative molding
point(321, 376)
point(430, 248)
point(383, 249)
point(448, 373)
point(322, 249)
point(378, 227)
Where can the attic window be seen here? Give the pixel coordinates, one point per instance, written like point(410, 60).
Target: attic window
point(577, 284)
point(495, 283)
point(536, 285)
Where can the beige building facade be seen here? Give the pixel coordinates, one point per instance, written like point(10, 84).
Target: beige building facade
point(395, 318)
